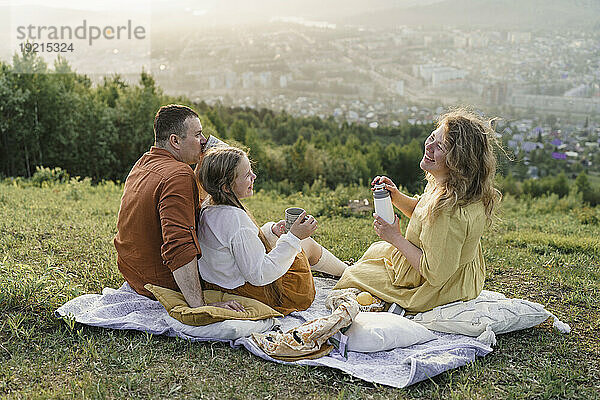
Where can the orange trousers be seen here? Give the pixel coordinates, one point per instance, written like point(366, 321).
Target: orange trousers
point(297, 283)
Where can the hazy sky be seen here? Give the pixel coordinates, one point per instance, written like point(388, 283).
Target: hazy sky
point(266, 7)
point(96, 5)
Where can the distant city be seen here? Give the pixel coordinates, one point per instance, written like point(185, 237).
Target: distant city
point(544, 83)
point(376, 76)
point(545, 86)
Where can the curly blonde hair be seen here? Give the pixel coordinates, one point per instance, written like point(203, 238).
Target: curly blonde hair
point(471, 162)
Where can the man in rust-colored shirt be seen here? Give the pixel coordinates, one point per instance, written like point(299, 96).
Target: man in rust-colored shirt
point(156, 240)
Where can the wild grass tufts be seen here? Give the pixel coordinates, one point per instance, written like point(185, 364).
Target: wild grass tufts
point(56, 244)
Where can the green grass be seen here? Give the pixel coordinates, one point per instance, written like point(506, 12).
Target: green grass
point(56, 244)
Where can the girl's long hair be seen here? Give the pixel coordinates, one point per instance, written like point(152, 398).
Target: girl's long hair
point(471, 161)
point(216, 176)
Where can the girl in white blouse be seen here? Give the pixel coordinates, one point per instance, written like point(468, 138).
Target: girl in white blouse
point(238, 257)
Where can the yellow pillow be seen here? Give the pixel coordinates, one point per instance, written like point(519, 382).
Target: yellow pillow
point(177, 307)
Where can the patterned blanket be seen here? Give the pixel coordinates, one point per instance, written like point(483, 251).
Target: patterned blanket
point(124, 309)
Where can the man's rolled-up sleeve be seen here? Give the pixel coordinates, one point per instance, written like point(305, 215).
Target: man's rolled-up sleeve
point(177, 211)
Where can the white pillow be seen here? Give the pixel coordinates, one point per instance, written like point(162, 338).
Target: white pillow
point(230, 329)
point(379, 331)
point(489, 314)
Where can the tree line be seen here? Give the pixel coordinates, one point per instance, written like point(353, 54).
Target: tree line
point(59, 118)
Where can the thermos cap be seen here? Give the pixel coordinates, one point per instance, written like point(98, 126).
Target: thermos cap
point(380, 192)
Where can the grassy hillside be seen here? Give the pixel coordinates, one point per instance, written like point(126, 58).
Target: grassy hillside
point(56, 243)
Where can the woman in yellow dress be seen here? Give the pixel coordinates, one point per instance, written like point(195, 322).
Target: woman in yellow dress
point(439, 260)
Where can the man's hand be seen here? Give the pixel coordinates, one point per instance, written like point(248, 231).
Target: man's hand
point(229, 305)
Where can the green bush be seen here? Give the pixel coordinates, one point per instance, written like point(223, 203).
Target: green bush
point(44, 175)
point(564, 244)
point(590, 194)
point(587, 215)
point(77, 188)
point(551, 203)
point(558, 185)
point(328, 203)
point(284, 187)
point(17, 181)
point(508, 185)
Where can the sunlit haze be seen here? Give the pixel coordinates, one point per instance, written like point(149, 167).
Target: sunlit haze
point(359, 61)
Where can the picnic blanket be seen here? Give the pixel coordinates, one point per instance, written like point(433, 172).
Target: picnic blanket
point(123, 308)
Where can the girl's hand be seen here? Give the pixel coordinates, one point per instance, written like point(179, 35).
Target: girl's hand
point(388, 232)
point(389, 185)
point(278, 229)
point(304, 226)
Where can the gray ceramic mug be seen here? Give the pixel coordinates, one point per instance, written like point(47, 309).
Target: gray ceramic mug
point(291, 215)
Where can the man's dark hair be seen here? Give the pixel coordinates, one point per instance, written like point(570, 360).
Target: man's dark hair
point(171, 119)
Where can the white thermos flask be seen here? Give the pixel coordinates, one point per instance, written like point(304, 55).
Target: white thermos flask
point(383, 203)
